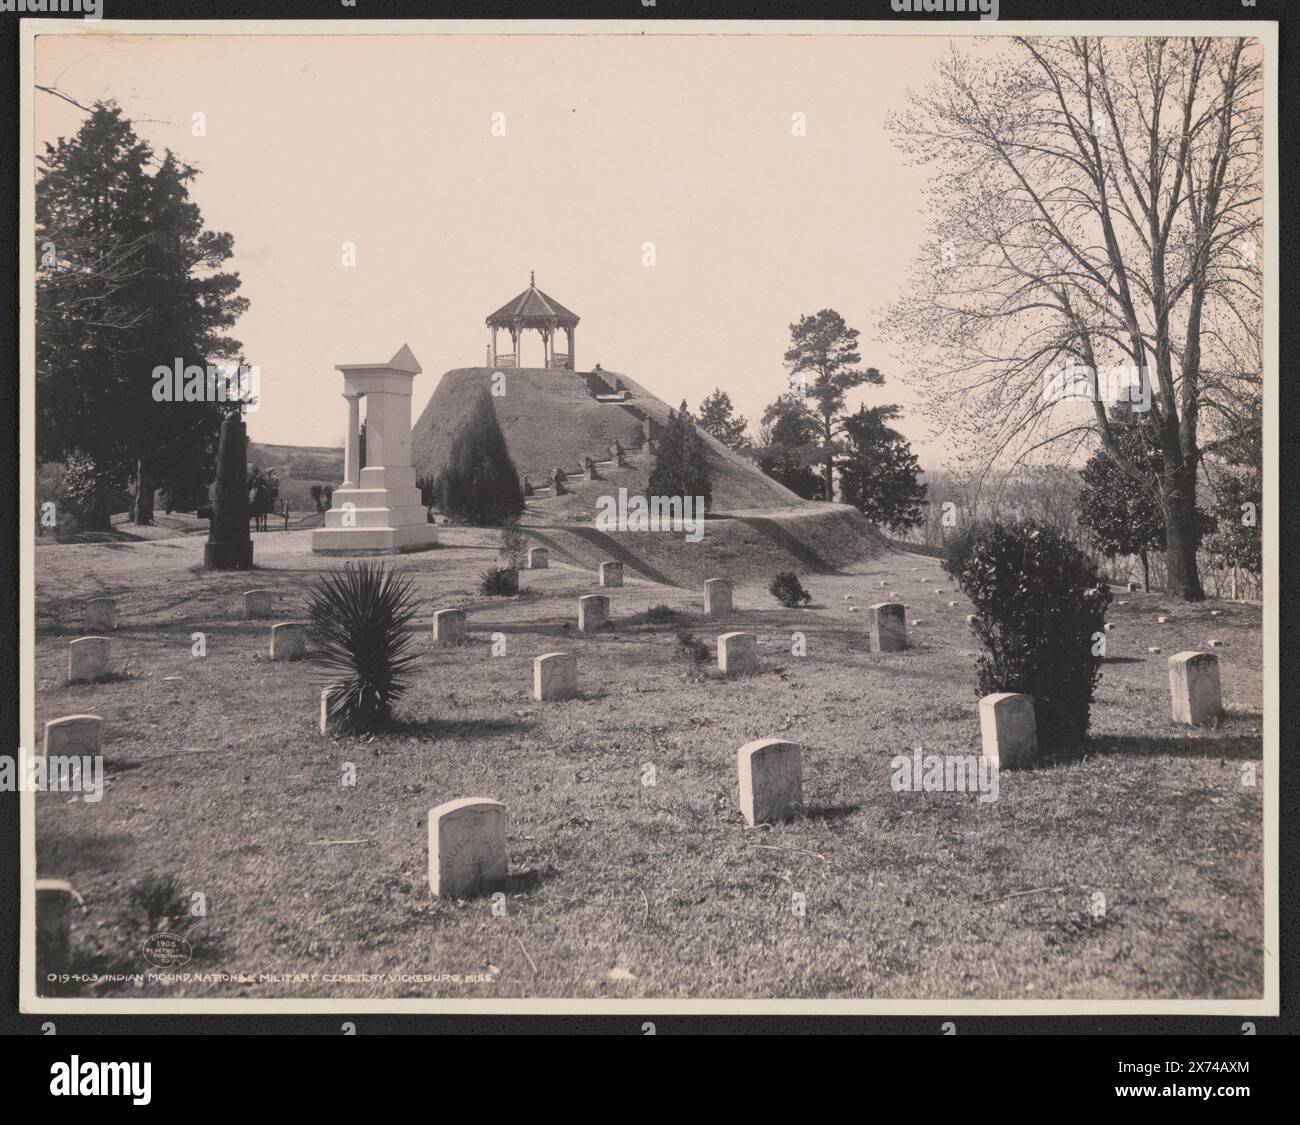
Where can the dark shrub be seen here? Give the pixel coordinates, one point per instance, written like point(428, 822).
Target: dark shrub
point(695, 648)
point(1039, 602)
point(681, 460)
point(514, 547)
point(660, 614)
point(788, 590)
point(158, 902)
point(480, 484)
point(500, 581)
point(359, 616)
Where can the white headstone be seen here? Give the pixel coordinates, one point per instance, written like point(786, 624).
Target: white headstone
point(555, 676)
point(611, 574)
point(888, 626)
point(101, 614)
point(717, 596)
point(593, 612)
point(538, 558)
point(54, 899)
point(1007, 729)
point(73, 735)
point(1194, 687)
point(326, 723)
point(771, 780)
point(89, 658)
point(467, 847)
point(288, 640)
point(737, 653)
point(449, 626)
point(257, 603)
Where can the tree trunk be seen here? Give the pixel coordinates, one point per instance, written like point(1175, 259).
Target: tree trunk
point(1146, 572)
point(142, 508)
point(96, 516)
point(1181, 537)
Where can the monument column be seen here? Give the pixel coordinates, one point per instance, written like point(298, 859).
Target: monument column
point(352, 447)
point(379, 510)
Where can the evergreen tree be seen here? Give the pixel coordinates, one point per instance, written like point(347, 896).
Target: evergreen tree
point(788, 447)
point(480, 484)
point(681, 460)
point(826, 348)
point(1123, 514)
point(716, 416)
point(129, 281)
point(878, 475)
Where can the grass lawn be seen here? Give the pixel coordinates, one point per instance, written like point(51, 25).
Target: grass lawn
point(215, 773)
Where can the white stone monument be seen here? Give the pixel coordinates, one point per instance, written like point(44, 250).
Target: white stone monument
point(73, 735)
point(54, 899)
point(737, 654)
point(771, 780)
point(538, 558)
point(611, 574)
point(101, 614)
point(888, 622)
point(1194, 690)
point(89, 658)
point(259, 603)
point(555, 676)
point(377, 510)
point(593, 612)
point(1008, 733)
point(717, 596)
point(449, 626)
point(288, 641)
point(467, 847)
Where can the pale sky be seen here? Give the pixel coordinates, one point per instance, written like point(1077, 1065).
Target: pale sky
point(611, 142)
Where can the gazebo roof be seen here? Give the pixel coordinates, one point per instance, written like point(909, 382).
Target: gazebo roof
point(533, 305)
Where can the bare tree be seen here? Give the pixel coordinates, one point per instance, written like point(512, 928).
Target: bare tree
point(1095, 202)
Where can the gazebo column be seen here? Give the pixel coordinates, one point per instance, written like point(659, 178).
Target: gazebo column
point(352, 447)
point(493, 347)
point(573, 363)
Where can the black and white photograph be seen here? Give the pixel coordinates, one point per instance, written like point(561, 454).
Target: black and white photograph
point(565, 518)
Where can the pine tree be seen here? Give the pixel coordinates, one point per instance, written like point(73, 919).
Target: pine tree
point(480, 484)
point(717, 417)
point(879, 471)
point(788, 447)
point(825, 347)
point(681, 460)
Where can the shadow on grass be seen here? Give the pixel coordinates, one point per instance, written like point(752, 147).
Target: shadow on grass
point(830, 812)
point(437, 729)
point(771, 529)
point(1232, 747)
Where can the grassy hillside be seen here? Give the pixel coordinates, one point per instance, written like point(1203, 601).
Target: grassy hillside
point(551, 420)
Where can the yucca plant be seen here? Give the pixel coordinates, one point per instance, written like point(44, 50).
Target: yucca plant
point(359, 616)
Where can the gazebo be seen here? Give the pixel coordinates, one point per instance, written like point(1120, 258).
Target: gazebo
point(532, 309)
